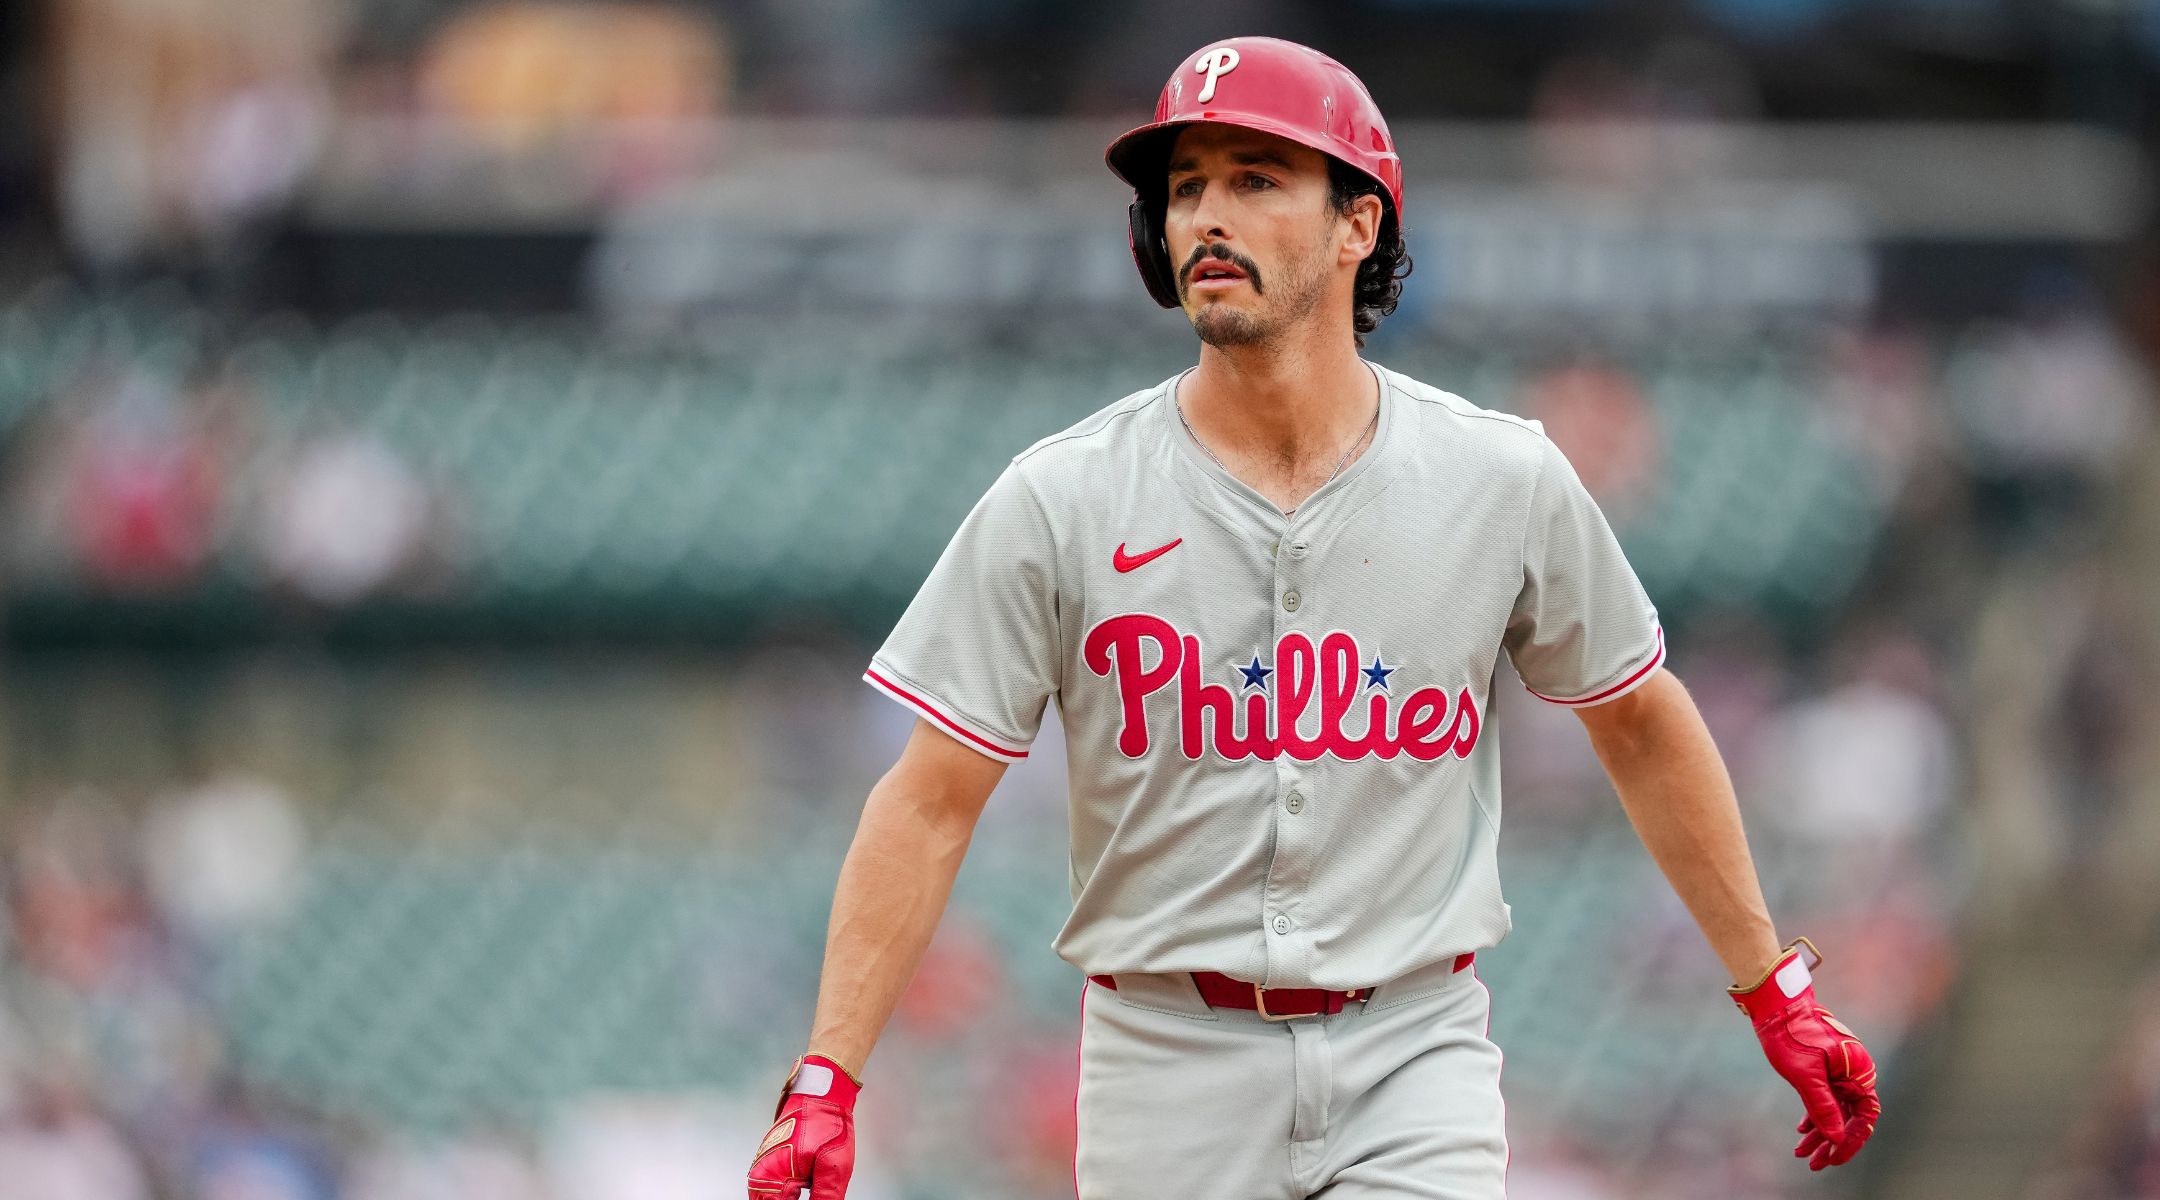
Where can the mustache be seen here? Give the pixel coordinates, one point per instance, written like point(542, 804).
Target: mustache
point(1221, 252)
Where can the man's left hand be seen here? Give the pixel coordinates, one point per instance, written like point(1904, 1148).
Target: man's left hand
point(1815, 1053)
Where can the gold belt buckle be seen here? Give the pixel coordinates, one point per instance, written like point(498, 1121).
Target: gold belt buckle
point(1259, 998)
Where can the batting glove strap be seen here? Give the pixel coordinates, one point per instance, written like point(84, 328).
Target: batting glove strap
point(1789, 975)
point(821, 1077)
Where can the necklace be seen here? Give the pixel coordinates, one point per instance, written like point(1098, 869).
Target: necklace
point(1226, 470)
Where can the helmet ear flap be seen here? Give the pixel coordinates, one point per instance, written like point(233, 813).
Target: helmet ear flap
point(1144, 226)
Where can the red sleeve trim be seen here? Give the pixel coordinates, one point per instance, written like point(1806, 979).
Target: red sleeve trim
point(929, 710)
point(1640, 674)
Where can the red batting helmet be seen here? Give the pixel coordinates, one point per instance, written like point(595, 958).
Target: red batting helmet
point(1259, 83)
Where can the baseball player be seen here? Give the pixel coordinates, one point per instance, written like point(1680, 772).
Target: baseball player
point(1270, 597)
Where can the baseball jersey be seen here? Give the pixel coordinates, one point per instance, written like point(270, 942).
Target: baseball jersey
point(1279, 762)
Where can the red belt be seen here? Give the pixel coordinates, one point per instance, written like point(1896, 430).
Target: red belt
point(1222, 991)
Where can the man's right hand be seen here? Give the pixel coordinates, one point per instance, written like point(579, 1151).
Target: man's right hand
point(812, 1141)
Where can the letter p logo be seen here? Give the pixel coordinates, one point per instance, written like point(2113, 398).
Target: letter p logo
point(1214, 64)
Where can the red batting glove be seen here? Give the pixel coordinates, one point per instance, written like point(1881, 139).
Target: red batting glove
point(1817, 1055)
point(812, 1141)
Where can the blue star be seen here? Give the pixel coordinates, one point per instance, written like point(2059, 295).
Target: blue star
point(1378, 672)
point(1255, 675)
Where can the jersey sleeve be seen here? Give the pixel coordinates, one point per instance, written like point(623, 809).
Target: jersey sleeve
point(976, 652)
point(1583, 631)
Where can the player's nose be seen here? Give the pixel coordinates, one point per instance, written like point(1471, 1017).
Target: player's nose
point(1211, 215)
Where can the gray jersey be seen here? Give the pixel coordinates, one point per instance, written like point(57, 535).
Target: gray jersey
point(1275, 726)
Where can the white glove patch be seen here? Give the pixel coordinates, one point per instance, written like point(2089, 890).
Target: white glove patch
point(812, 1079)
point(1793, 977)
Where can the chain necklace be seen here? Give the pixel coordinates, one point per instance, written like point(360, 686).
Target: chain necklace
point(1174, 403)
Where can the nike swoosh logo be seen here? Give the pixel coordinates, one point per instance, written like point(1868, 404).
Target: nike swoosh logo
point(1126, 562)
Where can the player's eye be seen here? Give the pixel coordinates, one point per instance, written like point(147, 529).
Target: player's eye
point(1258, 182)
point(1186, 187)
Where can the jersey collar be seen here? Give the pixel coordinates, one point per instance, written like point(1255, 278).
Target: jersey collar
point(1211, 482)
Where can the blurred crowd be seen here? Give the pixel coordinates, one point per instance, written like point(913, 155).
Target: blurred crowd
point(146, 877)
point(162, 482)
point(121, 1076)
point(121, 898)
point(112, 1067)
point(2120, 1137)
point(133, 484)
point(116, 1043)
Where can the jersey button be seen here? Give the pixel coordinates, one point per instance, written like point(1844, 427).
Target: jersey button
point(1282, 924)
point(1290, 600)
point(1297, 549)
point(1295, 802)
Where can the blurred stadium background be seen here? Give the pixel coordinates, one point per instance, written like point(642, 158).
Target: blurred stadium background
point(456, 458)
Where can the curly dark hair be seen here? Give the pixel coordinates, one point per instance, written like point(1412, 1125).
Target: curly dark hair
point(1380, 276)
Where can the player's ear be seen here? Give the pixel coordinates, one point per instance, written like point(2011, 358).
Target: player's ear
point(1360, 228)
